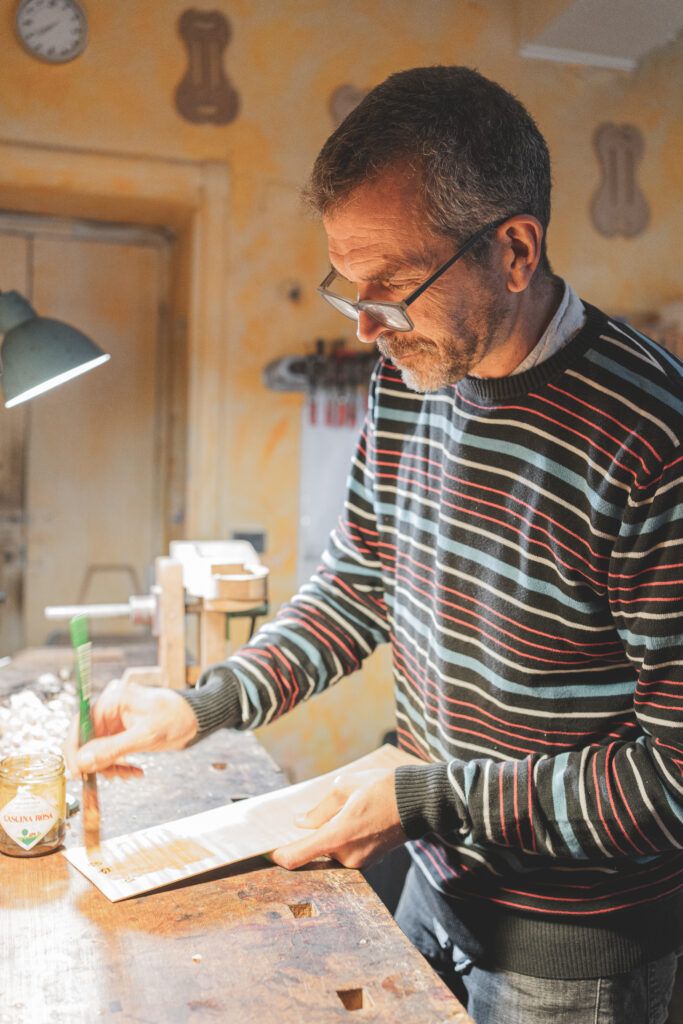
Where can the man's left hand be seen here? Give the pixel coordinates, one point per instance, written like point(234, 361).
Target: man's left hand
point(357, 822)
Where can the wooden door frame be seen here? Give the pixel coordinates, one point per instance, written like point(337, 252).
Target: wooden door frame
point(193, 200)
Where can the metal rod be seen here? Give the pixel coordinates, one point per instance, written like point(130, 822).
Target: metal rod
point(93, 611)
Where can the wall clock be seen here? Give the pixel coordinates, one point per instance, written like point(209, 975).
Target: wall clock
point(52, 30)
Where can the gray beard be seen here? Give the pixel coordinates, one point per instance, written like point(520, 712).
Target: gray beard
point(438, 368)
point(471, 338)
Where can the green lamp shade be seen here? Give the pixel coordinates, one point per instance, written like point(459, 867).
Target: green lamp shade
point(39, 353)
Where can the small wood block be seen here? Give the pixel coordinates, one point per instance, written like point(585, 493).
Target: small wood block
point(211, 637)
point(152, 675)
point(169, 586)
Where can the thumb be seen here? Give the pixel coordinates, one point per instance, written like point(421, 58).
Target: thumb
point(322, 812)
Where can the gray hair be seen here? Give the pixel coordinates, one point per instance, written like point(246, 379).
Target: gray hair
point(479, 153)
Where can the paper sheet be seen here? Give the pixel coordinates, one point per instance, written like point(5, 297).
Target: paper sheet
point(152, 857)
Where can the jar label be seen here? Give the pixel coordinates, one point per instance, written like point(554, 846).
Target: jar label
point(27, 818)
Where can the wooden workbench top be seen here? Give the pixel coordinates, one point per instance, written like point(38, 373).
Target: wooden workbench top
point(250, 943)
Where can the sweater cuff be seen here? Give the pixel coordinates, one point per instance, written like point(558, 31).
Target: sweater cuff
point(215, 700)
point(425, 802)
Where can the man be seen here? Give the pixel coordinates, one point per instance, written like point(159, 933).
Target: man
point(513, 528)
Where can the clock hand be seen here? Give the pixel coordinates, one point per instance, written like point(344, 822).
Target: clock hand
point(45, 28)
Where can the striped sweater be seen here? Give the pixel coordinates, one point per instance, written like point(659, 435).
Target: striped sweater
point(519, 542)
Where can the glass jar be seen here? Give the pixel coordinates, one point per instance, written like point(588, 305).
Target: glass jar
point(32, 804)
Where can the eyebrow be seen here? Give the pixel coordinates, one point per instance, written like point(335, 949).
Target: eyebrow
point(410, 265)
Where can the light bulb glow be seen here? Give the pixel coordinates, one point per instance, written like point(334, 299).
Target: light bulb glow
point(56, 381)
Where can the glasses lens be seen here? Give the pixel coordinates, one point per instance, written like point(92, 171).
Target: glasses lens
point(342, 305)
point(385, 313)
point(388, 315)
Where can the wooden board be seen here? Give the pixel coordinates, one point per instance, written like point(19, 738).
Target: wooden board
point(154, 857)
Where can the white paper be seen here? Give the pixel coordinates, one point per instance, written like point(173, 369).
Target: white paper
point(152, 857)
point(324, 463)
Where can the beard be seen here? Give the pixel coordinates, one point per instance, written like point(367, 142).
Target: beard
point(432, 363)
point(428, 365)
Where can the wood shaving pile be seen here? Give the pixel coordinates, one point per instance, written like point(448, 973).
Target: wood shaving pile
point(37, 722)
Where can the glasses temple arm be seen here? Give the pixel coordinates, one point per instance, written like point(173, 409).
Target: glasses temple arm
point(449, 263)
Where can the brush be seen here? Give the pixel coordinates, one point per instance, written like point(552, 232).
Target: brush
point(82, 646)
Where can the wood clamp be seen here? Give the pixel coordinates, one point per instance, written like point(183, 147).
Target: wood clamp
point(213, 580)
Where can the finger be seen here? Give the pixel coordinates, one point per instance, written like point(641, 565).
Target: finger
point(108, 751)
point(303, 851)
point(344, 785)
point(107, 709)
point(322, 812)
point(122, 771)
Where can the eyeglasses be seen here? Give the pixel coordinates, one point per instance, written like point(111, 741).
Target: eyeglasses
point(394, 314)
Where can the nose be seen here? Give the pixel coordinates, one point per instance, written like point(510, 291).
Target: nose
point(368, 329)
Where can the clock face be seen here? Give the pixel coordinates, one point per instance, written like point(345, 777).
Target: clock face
point(53, 30)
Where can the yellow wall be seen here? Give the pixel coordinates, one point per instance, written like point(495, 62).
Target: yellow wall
point(285, 59)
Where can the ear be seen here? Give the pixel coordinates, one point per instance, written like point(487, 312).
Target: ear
point(521, 239)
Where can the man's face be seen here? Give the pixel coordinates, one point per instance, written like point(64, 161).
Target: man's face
point(379, 241)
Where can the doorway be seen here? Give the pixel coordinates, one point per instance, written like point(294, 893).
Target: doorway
point(84, 500)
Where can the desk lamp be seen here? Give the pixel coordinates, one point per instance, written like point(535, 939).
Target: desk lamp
point(39, 353)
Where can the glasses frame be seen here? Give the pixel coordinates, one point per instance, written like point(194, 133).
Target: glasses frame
point(352, 310)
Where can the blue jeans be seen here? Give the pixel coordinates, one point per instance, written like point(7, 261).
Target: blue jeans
point(504, 997)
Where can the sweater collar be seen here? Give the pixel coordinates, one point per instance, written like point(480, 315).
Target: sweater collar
point(494, 389)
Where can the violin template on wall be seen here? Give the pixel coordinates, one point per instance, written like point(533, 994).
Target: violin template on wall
point(205, 94)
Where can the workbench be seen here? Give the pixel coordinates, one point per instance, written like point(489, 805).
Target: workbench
point(248, 943)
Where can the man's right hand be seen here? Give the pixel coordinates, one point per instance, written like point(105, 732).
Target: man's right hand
point(128, 718)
